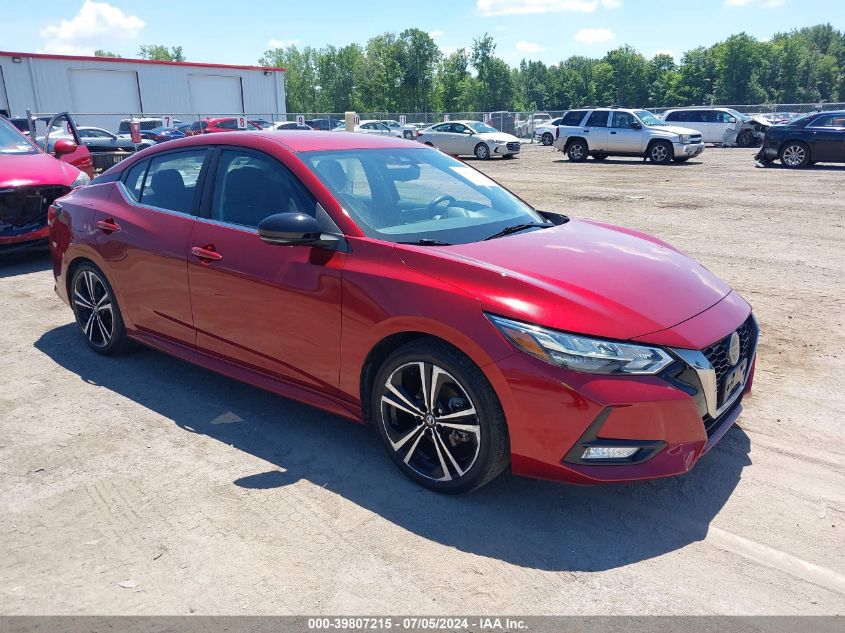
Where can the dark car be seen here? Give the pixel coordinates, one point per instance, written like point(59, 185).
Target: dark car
point(814, 138)
point(162, 134)
point(476, 333)
point(96, 139)
point(289, 125)
point(323, 124)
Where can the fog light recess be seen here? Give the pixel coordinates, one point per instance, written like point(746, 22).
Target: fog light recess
point(609, 452)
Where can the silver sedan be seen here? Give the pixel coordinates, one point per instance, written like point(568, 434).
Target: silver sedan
point(470, 138)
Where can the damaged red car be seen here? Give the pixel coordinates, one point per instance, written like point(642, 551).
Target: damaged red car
point(389, 283)
point(30, 180)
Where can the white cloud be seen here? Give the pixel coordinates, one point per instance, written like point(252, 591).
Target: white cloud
point(611, 4)
point(435, 34)
point(594, 36)
point(529, 47)
point(512, 7)
point(274, 43)
point(764, 4)
point(97, 25)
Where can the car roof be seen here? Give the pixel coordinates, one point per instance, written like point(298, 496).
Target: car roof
point(298, 140)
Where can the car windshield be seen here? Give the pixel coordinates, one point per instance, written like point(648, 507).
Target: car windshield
point(648, 118)
point(417, 195)
point(480, 127)
point(739, 116)
point(12, 142)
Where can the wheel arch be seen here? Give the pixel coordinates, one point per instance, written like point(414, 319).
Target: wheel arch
point(571, 139)
point(654, 141)
point(89, 256)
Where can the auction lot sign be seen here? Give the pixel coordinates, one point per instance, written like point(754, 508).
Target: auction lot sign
point(422, 624)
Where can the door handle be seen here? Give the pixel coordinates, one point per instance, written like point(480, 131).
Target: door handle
point(206, 253)
point(586, 131)
point(108, 226)
point(613, 132)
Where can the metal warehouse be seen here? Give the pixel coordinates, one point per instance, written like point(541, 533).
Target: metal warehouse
point(108, 89)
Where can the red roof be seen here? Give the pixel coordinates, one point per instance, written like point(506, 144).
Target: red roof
point(301, 140)
point(84, 58)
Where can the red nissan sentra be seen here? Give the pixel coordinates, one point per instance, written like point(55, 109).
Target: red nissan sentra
point(385, 281)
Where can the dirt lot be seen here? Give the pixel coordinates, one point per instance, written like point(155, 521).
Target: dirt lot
point(200, 494)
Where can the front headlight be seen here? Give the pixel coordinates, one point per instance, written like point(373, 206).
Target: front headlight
point(582, 353)
point(81, 180)
point(498, 142)
point(686, 138)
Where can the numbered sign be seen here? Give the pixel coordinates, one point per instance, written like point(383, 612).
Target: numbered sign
point(300, 119)
point(445, 117)
point(357, 120)
point(167, 120)
point(402, 119)
point(241, 122)
point(485, 117)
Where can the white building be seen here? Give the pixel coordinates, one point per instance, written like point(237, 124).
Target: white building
point(103, 90)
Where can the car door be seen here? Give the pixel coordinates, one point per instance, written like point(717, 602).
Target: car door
point(464, 139)
point(719, 122)
point(269, 307)
point(143, 232)
point(828, 138)
point(595, 130)
point(625, 135)
point(443, 138)
point(698, 120)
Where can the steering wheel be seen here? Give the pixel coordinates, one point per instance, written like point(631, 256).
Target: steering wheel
point(440, 199)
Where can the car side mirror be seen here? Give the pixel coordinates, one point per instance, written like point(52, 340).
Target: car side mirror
point(64, 146)
point(289, 229)
point(732, 119)
point(636, 126)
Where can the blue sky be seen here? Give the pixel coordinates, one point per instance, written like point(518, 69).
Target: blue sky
point(550, 30)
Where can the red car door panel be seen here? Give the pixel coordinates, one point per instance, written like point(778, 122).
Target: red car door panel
point(275, 308)
point(146, 244)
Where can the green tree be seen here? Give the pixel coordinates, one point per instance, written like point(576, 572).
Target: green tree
point(454, 83)
point(161, 53)
point(103, 53)
point(738, 61)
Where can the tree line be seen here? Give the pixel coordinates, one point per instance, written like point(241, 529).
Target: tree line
point(409, 73)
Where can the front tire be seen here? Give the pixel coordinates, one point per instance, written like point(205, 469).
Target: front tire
point(482, 152)
point(795, 155)
point(439, 418)
point(745, 139)
point(577, 151)
point(96, 311)
point(547, 138)
point(660, 153)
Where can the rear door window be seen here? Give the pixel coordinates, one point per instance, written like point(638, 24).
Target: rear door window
point(171, 180)
point(573, 118)
point(597, 119)
point(134, 179)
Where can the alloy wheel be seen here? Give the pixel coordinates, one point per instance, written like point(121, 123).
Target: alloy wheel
point(430, 421)
point(659, 153)
point(482, 151)
point(794, 155)
point(547, 138)
point(94, 309)
point(576, 151)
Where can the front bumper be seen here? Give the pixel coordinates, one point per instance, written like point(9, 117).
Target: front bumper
point(555, 414)
point(507, 149)
point(688, 149)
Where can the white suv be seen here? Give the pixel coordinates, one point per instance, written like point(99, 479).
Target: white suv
point(603, 132)
point(721, 125)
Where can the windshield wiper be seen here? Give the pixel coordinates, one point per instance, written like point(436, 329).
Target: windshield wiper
point(428, 242)
point(518, 227)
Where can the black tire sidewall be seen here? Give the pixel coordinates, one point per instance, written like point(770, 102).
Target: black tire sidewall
point(669, 153)
point(491, 418)
point(547, 139)
point(118, 339)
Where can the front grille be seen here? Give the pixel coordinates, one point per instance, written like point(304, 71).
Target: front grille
point(717, 354)
point(24, 209)
point(695, 138)
point(104, 160)
point(513, 147)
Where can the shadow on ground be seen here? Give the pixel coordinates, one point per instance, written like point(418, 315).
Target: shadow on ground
point(524, 522)
point(24, 262)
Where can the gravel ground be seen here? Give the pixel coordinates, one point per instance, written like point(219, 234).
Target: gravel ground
point(145, 485)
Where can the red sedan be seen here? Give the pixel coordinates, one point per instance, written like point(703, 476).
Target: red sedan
point(224, 124)
point(389, 283)
point(30, 180)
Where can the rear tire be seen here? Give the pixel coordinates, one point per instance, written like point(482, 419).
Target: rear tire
point(482, 152)
point(547, 138)
point(439, 417)
point(97, 313)
point(660, 153)
point(795, 155)
point(576, 151)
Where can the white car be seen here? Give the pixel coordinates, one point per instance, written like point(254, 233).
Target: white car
point(721, 125)
point(526, 128)
point(408, 131)
point(545, 134)
point(470, 138)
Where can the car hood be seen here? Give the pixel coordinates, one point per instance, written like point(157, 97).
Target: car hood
point(498, 136)
point(673, 129)
point(761, 120)
point(29, 170)
point(582, 276)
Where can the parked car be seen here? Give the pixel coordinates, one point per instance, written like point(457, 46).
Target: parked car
point(290, 125)
point(324, 124)
point(96, 139)
point(470, 138)
point(545, 133)
point(814, 138)
point(163, 134)
point(220, 124)
point(407, 131)
point(378, 127)
point(604, 132)
point(390, 283)
point(30, 180)
point(503, 121)
point(525, 128)
point(146, 124)
point(45, 130)
point(721, 125)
